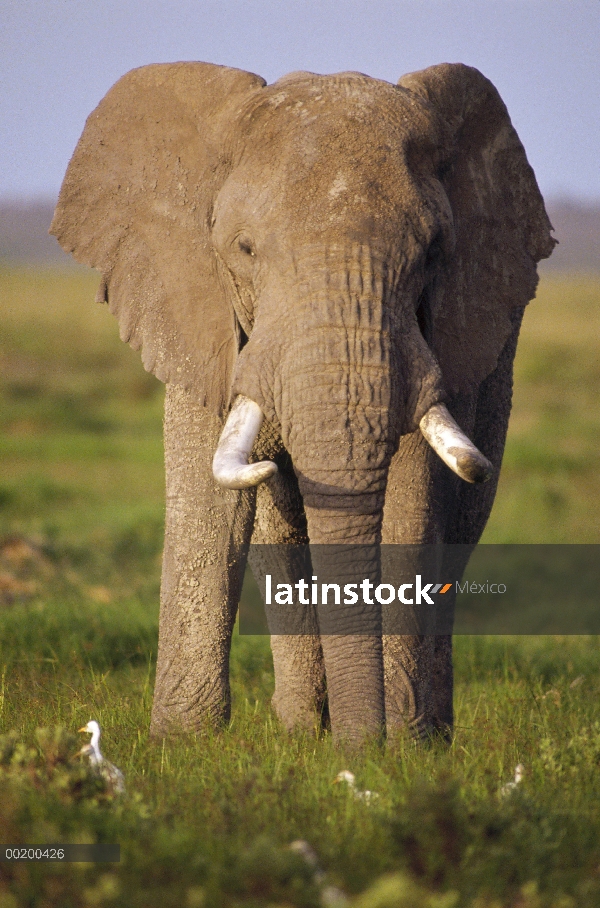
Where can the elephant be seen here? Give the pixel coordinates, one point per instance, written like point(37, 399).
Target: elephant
point(329, 273)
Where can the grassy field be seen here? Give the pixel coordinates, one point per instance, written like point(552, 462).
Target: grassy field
point(208, 819)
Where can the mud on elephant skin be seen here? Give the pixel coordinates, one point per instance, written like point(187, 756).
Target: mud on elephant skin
point(323, 270)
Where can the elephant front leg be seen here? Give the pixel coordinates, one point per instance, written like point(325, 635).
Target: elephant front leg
point(409, 691)
point(443, 687)
point(279, 532)
point(207, 532)
point(485, 416)
point(414, 517)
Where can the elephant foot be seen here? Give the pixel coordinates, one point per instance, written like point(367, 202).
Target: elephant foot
point(307, 717)
point(409, 688)
point(442, 734)
point(300, 692)
point(419, 725)
point(169, 724)
point(419, 728)
point(301, 707)
point(443, 689)
point(179, 708)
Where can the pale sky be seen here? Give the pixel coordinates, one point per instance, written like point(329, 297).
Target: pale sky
point(59, 57)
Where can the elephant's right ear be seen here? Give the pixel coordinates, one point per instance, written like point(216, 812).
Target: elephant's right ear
point(136, 204)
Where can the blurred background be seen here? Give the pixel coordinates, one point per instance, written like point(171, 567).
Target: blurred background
point(58, 59)
point(81, 483)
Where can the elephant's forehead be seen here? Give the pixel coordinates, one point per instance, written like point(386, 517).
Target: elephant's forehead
point(341, 107)
point(341, 91)
point(337, 146)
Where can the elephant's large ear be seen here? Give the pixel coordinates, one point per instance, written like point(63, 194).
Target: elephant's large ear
point(136, 204)
point(501, 226)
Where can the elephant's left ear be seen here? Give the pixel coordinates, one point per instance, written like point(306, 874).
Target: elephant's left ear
point(500, 223)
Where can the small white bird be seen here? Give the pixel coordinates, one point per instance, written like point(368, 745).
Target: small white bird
point(111, 774)
point(349, 778)
point(512, 786)
point(331, 896)
point(308, 854)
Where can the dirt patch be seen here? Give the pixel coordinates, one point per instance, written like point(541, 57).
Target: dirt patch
point(23, 565)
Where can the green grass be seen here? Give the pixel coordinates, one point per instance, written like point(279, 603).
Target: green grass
point(208, 818)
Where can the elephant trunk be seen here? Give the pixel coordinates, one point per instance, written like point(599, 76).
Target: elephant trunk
point(338, 425)
point(350, 625)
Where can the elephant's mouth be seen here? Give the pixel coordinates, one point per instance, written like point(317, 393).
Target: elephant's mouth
point(232, 470)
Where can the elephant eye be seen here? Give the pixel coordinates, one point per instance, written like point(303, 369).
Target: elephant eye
point(246, 246)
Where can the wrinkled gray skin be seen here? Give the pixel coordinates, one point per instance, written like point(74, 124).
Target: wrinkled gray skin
point(346, 253)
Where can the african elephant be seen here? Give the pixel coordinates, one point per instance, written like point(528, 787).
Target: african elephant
point(348, 262)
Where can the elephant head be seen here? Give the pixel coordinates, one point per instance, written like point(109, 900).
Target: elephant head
point(335, 254)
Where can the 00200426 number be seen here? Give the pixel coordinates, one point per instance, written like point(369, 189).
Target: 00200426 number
point(32, 853)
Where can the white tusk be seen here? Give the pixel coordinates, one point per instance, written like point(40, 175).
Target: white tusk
point(450, 442)
point(230, 463)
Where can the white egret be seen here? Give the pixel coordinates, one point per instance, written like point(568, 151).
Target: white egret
point(111, 774)
point(349, 778)
point(301, 847)
point(512, 786)
point(331, 896)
